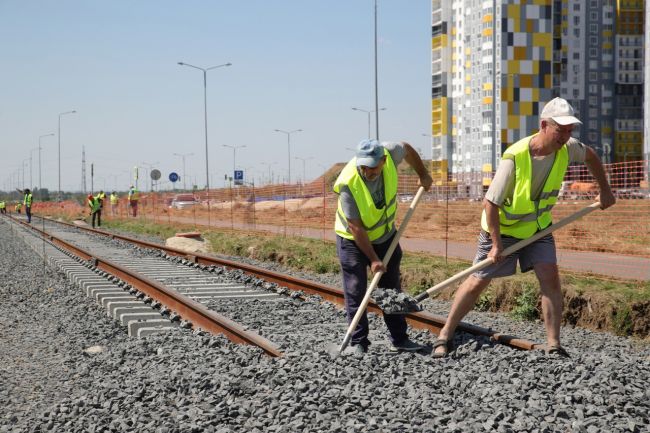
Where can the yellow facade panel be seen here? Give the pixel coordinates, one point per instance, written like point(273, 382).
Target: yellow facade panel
point(468, 77)
point(487, 18)
point(487, 32)
point(487, 86)
point(487, 100)
point(520, 53)
point(513, 121)
point(526, 108)
point(542, 40)
point(468, 90)
point(468, 51)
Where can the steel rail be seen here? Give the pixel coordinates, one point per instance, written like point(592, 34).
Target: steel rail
point(420, 320)
point(193, 311)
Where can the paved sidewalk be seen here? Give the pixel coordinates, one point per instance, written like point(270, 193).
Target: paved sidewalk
point(606, 264)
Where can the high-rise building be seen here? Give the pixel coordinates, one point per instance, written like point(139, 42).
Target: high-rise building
point(495, 63)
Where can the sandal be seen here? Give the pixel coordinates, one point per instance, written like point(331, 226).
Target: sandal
point(441, 342)
point(557, 350)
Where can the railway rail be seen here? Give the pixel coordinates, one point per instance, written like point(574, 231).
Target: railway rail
point(190, 286)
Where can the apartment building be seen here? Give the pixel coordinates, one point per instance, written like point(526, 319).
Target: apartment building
point(495, 64)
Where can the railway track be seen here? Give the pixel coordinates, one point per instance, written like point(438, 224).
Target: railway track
point(151, 288)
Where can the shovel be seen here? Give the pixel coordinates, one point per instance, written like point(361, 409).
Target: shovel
point(389, 308)
point(377, 276)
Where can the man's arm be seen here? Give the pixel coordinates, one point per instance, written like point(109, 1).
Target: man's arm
point(492, 216)
point(606, 198)
point(413, 159)
point(363, 242)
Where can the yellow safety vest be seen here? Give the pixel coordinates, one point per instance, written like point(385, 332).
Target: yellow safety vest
point(27, 200)
point(93, 204)
point(523, 217)
point(377, 222)
point(113, 199)
point(2, 205)
point(18, 206)
point(133, 195)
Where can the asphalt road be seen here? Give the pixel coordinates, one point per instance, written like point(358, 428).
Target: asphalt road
point(603, 264)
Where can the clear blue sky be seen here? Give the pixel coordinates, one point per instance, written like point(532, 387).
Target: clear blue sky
point(296, 64)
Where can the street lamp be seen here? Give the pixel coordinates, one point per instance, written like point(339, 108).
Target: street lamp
point(150, 166)
point(23, 169)
point(303, 166)
point(31, 164)
point(368, 112)
point(234, 155)
point(288, 150)
point(269, 164)
point(205, 113)
point(59, 133)
point(183, 155)
point(40, 193)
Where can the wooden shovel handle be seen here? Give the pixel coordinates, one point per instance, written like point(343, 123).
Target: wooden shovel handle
point(511, 249)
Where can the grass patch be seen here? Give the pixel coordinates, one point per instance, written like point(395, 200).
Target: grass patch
point(526, 304)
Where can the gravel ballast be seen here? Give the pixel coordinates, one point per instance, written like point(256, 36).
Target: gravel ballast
point(66, 366)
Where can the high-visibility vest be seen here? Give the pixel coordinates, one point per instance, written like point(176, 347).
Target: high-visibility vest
point(113, 198)
point(133, 194)
point(523, 217)
point(2, 205)
point(93, 204)
point(376, 222)
point(27, 200)
point(18, 206)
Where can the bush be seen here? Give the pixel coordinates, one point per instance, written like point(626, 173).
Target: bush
point(526, 304)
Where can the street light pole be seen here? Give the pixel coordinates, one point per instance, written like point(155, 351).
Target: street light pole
point(303, 166)
point(40, 193)
point(269, 164)
point(368, 112)
point(288, 150)
point(205, 113)
point(150, 166)
point(234, 155)
point(183, 155)
point(377, 109)
point(59, 133)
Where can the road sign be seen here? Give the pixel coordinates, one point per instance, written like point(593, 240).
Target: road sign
point(174, 177)
point(239, 177)
point(155, 174)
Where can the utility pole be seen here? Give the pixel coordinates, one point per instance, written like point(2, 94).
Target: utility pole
point(83, 169)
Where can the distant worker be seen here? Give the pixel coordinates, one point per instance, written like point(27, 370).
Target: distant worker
point(365, 227)
point(114, 201)
point(18, 207)
point(101, 197)
point(95, 210)
point(517, 205)
point(27, 202)
point(134, 196)
point(3, 207)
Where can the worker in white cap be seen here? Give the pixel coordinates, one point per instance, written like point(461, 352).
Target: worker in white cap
point(517, 205)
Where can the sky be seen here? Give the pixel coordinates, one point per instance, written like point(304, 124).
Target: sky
point(296, 64)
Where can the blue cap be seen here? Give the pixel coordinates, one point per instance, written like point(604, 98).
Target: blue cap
point(369, 153)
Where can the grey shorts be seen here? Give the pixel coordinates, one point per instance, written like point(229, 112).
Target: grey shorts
point(540, 251)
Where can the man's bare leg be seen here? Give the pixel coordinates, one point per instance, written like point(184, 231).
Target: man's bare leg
point(552, 301)
point(464, 301)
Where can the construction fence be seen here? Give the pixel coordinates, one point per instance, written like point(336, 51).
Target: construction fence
point(449, 212)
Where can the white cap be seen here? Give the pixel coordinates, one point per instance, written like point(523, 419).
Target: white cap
point(560, 111)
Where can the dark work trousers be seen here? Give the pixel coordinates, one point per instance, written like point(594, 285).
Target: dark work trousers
point(97, 214)
point(28, 212)
point(354, 267)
